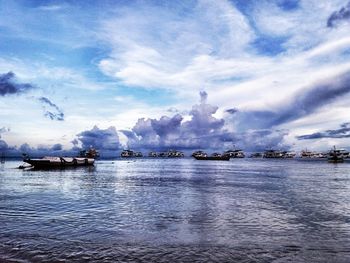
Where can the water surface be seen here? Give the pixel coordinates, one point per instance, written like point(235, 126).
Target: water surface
point(177, 210)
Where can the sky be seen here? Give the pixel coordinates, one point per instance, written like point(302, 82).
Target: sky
point(187, 75)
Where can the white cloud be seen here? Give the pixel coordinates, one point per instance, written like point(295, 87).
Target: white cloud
point(204, 46)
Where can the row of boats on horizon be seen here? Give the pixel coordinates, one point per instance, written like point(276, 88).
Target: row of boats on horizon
point(87, 157)
point(276, 154)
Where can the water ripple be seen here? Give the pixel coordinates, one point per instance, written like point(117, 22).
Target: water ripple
point(177, 211)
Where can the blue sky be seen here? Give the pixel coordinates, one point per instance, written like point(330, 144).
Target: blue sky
point(135, 68)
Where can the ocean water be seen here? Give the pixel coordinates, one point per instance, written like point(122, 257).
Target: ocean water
point(177, 210)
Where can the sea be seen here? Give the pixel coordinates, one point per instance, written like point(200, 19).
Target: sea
point(177, 210)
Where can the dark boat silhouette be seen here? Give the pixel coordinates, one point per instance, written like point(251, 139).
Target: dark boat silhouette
point(199, 155)
point(55, 162)
point(213, 158)
point(335, 156)
point(50, 161)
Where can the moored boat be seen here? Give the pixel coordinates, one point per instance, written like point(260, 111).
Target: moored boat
point(152, 154)
point(305, 154)
point(53, 161)
point(213, 158)
point(130, 154)
point(335, 156)
point(199, 155)
point(175, 154)
point(273, 154)
point(235, 153)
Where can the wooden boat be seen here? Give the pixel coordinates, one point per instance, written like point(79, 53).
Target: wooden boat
point(50, 161)
point(86, 158)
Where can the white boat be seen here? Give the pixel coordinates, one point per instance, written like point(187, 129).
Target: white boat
point(130, 154)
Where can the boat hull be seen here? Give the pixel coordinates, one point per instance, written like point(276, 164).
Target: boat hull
point(212, 158)
point(60, 162)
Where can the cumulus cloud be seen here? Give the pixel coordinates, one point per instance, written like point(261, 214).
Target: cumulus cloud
point(9, 85)
point(52, 111)
point(342, 132)
point(202, 131)
point(105, 140)
point(341, 15)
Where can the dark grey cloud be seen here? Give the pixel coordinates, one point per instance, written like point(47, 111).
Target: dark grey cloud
point(52, 111)
point(342, 14)
point(9, 85)
point(42, 150)
point(342, 132)
point(57, 147)
point(105, 140)
point(302, 104)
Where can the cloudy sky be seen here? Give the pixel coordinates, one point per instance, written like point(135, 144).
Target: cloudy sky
point(174, 74)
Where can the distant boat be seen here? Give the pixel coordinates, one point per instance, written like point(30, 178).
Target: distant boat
point(152, 154)
point(130, 154)
point(213, 158)
point(335, 156)
point(175, 154)
point(235, 153)
point(305, 154)
point(167, 154)
point(199, 155)
point(273, 154)
point(91, 153)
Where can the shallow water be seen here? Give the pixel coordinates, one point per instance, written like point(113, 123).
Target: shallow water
point(177, 210)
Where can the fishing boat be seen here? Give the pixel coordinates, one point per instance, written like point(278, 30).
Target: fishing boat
point(288, 155)
point(130, 154)
point(235, 153)
point(335, 156)
point(152, 154)
point(273, 154)
point(213, 157)
point(175, 154)
point(199, 154)
point(54, 161)
point(305, 154)
point(138, 154)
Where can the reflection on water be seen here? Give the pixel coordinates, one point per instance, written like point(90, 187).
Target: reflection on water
point(179, 210)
